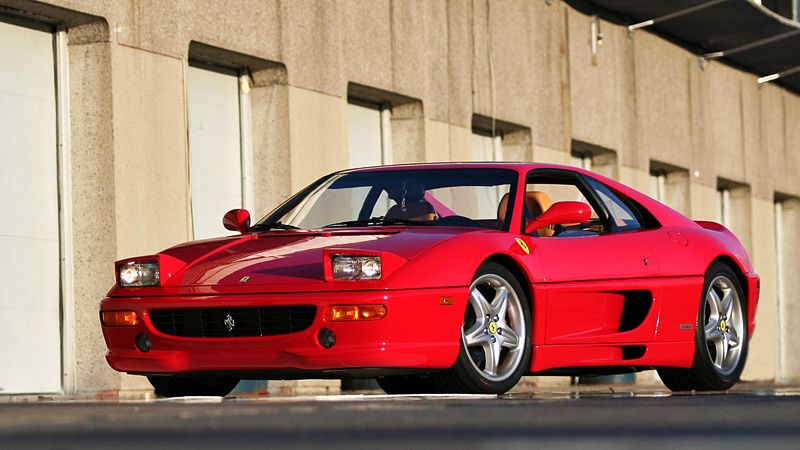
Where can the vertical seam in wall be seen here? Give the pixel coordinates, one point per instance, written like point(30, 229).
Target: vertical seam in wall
point(633, 134)
point(742, 123)
point(693, 145)
point(186, 153)
point(785, 143)
point(448, 93)
point(392, 44)
point(566, 94)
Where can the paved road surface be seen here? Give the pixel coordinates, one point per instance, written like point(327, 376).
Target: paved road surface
point(588, 419)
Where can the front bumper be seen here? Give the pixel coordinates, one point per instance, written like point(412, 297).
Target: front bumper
point(419, 331)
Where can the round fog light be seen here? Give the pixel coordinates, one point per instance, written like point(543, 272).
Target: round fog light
point(143, 342)
point(326, 338)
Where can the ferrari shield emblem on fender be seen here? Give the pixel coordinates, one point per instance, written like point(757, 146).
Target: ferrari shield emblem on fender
point(229, 322)
point(524, 246)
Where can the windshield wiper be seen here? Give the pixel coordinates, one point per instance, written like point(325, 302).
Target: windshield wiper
point(373, 221)
point(273, 226)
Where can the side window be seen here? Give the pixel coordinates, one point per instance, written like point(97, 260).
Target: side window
point(622, 218)
point(543, 191)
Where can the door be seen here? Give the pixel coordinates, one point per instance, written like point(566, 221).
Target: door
point(30, 302)
point(215, 148)
point(600, 277)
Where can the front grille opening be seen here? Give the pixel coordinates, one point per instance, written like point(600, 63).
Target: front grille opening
point(233, 322)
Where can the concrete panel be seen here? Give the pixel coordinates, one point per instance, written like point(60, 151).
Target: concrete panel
point(518, 146)
point(417, 48)
point(511, 59)
point(460, 55)
point(367, 42)
point(151, 161)
point(252, 27)
point(436, 47)
point(269, 103)
point(502, 35)
point(704, 202)
point(437, 141)
point(548, 155)
point(478, 34)
point(550, 76)
point(445, 142)
point(791, 120)
point(721, 121)
point(773, 136)
point(312, 36)
point(636, 178)
point(762, 361)
point(408, 133)
point(460, 143)
point(756, 166)
point(601, 104)
point(663, 113)
point(317, 135)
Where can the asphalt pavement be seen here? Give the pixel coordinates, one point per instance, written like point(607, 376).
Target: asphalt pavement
point(590, 417)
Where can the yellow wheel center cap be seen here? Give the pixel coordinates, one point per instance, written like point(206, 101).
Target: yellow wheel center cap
point(723, 326)
point(493, 327)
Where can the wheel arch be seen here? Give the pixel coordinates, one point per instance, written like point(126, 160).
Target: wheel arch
point(737, 270)
point(750, 289)
point(537, 318)
point(516, 269)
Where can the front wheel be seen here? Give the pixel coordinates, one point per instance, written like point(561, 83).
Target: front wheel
point(495, 336)
point(721, 336)
point(169, 386)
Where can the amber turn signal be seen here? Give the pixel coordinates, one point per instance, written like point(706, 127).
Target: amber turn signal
point(354, 312)
point(119, 318)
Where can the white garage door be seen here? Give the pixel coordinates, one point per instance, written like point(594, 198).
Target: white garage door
point(30, 342)
point(215, 149)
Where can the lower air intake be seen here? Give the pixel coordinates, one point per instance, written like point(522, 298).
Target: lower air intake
point(233, 322)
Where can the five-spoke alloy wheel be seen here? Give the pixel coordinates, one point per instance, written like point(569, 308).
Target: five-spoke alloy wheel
point(495, 336)
point(721, 337)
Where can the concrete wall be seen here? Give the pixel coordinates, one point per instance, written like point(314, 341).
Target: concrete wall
point(441, 63)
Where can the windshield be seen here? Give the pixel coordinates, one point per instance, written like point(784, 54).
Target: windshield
point(423, 197)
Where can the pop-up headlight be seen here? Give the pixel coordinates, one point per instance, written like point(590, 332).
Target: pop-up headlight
point(356, 267)
point(139, 274)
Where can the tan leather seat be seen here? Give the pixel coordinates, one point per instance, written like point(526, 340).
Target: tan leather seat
point(537, 202)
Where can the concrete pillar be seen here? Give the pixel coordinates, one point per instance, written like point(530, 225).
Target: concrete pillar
point(94, 218)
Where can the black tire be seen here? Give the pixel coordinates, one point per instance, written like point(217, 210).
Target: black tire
point(495, 340)
point(721, 336)
point(411, 384)
point(172, 386)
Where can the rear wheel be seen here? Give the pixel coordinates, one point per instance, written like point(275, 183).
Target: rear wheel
point(495, 336)
point(721, 336)
point(168, 386)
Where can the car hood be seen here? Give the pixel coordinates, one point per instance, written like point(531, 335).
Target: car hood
point(288, 261)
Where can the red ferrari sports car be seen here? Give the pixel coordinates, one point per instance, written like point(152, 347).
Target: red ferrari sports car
point(440, 278)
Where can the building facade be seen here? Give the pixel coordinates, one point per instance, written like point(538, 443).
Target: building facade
point(128, 127)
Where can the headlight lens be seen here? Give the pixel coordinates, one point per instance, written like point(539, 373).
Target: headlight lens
point(356, 267)
point(138, 274)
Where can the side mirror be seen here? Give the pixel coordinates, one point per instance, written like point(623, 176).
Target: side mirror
point(559, 214)
point(236, 220)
